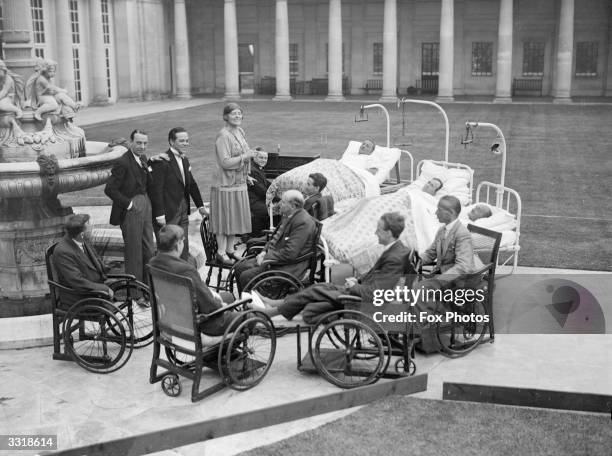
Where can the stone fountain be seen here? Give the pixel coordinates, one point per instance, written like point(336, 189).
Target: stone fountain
point(43, 153)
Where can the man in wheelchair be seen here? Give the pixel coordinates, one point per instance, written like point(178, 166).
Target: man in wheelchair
point(293, 238)
point(168, 258)
point(322, 298)
point(451, 254)
point(77, 265)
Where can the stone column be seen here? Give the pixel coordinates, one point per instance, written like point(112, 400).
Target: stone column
point(445, 79)
point(281, 41)
point(334, 75)
point(503, 86)
point(98, 59)
point(181, 51)
point(230, 33)
point(565, 46)
point(17, 37)
point(389, 92)
point(63, 33)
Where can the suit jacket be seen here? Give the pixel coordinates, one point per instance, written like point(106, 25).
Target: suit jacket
point(82, 271)
point(206, 301)
point(385, 272)
point(454, 255)
point(294, 237)
point(168, 188)
point(321, 211)
point(257, 191)
point(127, 180)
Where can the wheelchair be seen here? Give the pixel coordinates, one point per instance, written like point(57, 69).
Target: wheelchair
point(242, 356)
point(97, 332)
point(350, 349)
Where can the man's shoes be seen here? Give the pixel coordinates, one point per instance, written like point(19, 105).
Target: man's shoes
point(223, 258)
point(233, 256)
point(142, 302)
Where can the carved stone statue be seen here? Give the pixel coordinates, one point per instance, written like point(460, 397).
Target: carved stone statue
point(11, 90)
point(47, 98)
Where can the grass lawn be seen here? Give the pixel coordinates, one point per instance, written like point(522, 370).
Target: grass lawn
point(405, 425)
point(559, 158)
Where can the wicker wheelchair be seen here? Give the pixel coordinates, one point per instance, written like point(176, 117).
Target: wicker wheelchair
point(99, 332)
point(242, 356)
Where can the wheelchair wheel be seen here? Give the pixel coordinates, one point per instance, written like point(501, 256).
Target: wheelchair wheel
point(337, 339)
point(171, 385)
point(178, 358)
point(274, 284)
point(97, 338)
point(132, 297)
point(402, 368)
point(458, 338)
point(359, 361)
point(248, 356)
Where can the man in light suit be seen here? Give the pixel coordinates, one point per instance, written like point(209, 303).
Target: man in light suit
point(451, 252)
point(171, 240)
point(129, 187)
point(322, 298)
point(294, 237)
point(76, 264)
point(173, 184)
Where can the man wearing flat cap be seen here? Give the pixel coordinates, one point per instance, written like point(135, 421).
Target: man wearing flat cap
point(77, 265)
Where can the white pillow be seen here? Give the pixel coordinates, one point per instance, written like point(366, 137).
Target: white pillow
point(382, 158)
point(455, 181)
point(500, 219)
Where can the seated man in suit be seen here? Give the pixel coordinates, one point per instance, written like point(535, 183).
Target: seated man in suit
point(168, 258)
point(76, 264)
point(315, 204)
point(293, 237)
point(322, 298)
point(451, 252)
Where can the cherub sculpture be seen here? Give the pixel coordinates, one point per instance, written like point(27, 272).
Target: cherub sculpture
point(46, 97)
point(11, 90)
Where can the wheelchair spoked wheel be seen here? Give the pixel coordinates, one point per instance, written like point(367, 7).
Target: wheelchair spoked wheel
point(401, 367)
point(274, 284)
point(178, 358)
point(248, 356)
point(97, 338)
point(338, 340)
point(461, 337)
point(171, 385)
point(133, 298)
point(360, 361)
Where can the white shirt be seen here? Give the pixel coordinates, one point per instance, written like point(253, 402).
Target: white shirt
point(179, 160)
point(80, 245)
point(137, 158)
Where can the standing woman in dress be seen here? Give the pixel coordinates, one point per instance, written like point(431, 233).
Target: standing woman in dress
point(230, 212)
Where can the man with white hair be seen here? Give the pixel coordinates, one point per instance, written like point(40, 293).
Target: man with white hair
point(293, 237)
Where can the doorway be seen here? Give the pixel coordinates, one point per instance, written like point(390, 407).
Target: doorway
point(246, 68)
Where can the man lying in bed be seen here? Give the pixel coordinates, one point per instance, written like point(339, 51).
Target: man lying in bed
point(364, 159)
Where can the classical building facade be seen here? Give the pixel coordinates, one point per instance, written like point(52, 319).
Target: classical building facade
point(141, 49)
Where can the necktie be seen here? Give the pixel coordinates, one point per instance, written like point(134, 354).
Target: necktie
point(143, 161)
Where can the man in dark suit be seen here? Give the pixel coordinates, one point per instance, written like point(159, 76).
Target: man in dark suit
point(322, 298)
point(76, 264)
point(129, 187)
point(315, 204)
point(173, 184)
point(171, 239)
point(293, 238)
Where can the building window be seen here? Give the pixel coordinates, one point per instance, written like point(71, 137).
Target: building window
point(327, 58)
point(38, 27)
point(377, 58)
point(482, 58)
point(533, 58)
point(586, 58)
point(430, 59)
point(107, 42)
point(76, 41)
point(294, 61)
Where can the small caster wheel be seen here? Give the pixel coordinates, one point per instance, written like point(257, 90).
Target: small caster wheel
point(400, 367)
point(171, 385)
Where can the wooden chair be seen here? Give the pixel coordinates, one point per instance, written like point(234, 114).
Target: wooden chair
point(209, 241)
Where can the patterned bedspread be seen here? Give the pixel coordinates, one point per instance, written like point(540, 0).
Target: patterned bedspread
point(342, 181)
